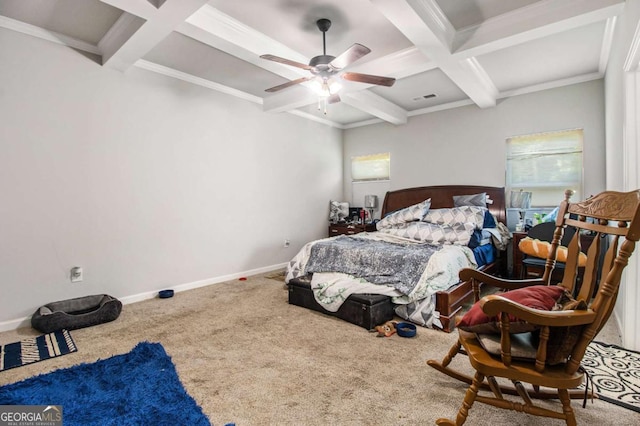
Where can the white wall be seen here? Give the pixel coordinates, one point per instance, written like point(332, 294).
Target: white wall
point(144, 181)
point(622, 150)
point(467, 145)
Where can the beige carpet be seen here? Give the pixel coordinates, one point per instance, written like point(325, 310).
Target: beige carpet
point(249, 357)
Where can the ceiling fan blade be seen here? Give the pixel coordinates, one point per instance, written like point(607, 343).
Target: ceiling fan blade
point(333, 99)
point(367, 78)
point(349, 56)
point(288, 84)
point(286, 61)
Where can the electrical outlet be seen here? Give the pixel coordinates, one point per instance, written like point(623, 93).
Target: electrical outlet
point(287, 243)
point(76, 274)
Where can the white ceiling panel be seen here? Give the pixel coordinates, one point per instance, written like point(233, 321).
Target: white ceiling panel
point(547, 59)
point(88, 21)
point(293, 22)
point(410, 92)
point(467, 13)
point(463, 51)
point(177, 52)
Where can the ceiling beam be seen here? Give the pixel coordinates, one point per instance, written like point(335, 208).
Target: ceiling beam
point(428, 29)
point(141, 8)
point(531, 22)
point(216, 29)
point(140, 28)
point(401, 64)
point(375, 105)
point(292, 98)
point(179, 75)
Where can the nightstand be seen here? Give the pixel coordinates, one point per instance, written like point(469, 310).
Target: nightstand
point(350, 229)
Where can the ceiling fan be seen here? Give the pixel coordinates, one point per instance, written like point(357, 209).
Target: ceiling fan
point(326, 68)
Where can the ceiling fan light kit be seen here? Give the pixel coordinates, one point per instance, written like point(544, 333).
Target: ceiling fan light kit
point(327, 68)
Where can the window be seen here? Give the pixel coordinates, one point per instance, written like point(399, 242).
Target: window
point(370, 167)
point(546, 164)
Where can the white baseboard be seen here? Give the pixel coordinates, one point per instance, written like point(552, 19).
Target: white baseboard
point(26, 321)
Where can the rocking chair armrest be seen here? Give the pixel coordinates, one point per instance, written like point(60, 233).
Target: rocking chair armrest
point(493, 304)
point(467, 274)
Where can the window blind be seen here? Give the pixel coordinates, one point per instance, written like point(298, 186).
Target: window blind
point(370, 167)
point(546, 164)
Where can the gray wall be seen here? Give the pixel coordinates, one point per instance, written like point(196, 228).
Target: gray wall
point(467, 145)
point(144, 181)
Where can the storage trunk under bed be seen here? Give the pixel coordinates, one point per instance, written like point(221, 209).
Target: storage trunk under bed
point(370, 310)
point(364, 310)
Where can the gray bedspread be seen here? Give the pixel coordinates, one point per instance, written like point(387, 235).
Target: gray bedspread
point(378, 262)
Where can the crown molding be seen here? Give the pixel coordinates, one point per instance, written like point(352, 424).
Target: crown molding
point(537, 20)
point(551, 85)
point(632, 61)
point(312, 117)
point(607, 41)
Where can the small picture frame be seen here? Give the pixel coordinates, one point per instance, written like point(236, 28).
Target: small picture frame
point(338, 211)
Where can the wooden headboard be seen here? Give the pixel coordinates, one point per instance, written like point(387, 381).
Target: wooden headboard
point(442, 197)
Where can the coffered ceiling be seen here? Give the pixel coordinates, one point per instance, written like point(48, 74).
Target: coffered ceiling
point(462, 51)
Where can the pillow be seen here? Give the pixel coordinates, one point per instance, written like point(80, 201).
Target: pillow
point(408, 214)
point(479, 200)
point(537, 297)
point(456, 215)
point(458, 234)
point(541, 249)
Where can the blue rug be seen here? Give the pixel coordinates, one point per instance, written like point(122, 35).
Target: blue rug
point(36, 349)
point(137, 388)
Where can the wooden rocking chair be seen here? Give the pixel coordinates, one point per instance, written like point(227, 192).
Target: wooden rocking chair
point(613, 215)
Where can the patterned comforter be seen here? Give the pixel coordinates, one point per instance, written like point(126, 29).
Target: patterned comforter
point(408, 270)
point(392, 263)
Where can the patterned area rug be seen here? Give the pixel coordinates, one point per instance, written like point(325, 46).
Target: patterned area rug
point(615, 372)
point(36, 349)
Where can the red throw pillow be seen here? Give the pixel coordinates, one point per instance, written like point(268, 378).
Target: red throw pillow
point(536, 297)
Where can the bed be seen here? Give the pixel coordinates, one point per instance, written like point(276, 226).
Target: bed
point(443, 300)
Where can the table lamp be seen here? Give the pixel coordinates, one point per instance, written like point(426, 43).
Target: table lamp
point(521, 200)
point(370, 203)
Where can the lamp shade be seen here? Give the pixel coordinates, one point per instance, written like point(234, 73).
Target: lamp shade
point(370, 201)
point(520, 199)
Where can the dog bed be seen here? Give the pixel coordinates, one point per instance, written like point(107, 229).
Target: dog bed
point(76, 313)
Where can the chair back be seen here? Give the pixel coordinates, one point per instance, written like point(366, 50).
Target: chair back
point(609, 215)
point(544, 232)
